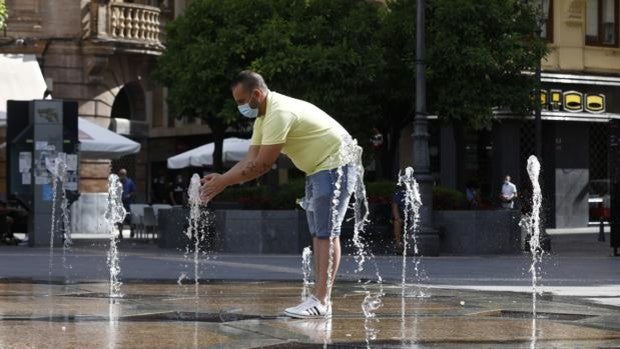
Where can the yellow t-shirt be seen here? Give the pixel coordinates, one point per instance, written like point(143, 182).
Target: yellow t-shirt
point(311, 138)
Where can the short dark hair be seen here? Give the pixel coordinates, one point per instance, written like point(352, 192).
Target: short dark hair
point(250, 80)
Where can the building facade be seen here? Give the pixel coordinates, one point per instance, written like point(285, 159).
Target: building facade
point(101, 53)
point(580, 95)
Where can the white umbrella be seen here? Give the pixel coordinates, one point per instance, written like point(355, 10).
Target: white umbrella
point(234, 150)
point(20, 79)
point(97, 142)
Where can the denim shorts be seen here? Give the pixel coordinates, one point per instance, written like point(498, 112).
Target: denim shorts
point(324, 215)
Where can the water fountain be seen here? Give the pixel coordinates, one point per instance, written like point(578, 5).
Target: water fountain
point(350, 153)
point(52, 167)
point(58, 169)
point(370, 304)
point(413, 202)
point(114, 214)
point(64, 212)
point(306, 269)
point(182, 277)
point(533, 170)
point(193, 229)
point(334, 212)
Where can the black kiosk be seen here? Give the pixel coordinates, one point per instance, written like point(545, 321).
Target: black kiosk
point(39, 132)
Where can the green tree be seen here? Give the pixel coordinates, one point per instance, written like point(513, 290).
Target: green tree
point(355, 59)
point(327, 52)
point(206, 47)
point(4, 14)
point(317, 50)
point(477, 51)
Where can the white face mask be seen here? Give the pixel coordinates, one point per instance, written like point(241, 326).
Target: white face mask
point(248, 111)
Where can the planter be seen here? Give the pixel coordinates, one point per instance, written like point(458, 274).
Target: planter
point(378, 234)
point(171, 227)
point(478, 232)
point(262, 232)
point(428, 244)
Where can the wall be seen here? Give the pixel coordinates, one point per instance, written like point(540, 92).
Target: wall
point(478, 232)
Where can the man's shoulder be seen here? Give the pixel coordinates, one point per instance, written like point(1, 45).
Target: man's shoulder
point(280, 103)
point(279, 112)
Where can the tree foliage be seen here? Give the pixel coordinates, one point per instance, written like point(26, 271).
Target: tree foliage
point(478, 63)
point(4, 14)
point(206, 47)
point(327, 52)
point(355, 59)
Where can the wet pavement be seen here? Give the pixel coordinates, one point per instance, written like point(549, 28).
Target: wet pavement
point(248, 315)
point(468, 301)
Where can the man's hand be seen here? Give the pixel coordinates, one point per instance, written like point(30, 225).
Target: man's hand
point(212, 184)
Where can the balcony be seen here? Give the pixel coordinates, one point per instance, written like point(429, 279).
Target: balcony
point(131, 28)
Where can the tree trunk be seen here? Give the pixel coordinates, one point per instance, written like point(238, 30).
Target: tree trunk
point(395, 151)
point(219, 132)
point(390, 158)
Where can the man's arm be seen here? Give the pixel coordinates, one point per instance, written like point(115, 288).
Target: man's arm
point(254, 167)
point(251, 155)
point(257, 162)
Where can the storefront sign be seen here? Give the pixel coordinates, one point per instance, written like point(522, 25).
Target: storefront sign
point(572, 101)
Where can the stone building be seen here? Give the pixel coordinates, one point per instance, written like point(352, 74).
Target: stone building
point(580, 96)
point(101, 54)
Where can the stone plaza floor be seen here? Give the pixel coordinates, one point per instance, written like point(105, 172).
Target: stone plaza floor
point(466, 302)
point(248, 315)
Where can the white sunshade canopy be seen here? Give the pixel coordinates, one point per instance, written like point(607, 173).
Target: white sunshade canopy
point(234, 150)
point(20, 79)
point(97, 142)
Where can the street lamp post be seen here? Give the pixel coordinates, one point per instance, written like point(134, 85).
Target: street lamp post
point(545, 239)
point(427, 237)
point(538, 107)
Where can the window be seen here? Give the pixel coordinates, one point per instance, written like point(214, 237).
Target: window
point(546, 23)
point(602, 22)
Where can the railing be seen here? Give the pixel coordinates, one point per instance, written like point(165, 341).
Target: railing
point(129, 23)
point(134, 22)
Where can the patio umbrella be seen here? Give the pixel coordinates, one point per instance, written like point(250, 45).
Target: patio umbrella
point(97, 142)
point(234, 150)
point(20, 79)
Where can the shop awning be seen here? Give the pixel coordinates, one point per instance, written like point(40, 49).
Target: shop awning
point(234, 150)
point(97, 142)
point(20, 79)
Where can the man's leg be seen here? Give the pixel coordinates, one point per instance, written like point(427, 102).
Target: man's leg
point(322, 255)
point(319, 193)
